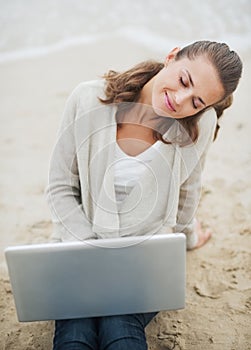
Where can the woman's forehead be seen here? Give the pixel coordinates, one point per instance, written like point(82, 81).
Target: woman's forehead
point(204, 78)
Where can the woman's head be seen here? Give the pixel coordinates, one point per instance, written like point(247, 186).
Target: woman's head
point(195, 78)
point(226, 62)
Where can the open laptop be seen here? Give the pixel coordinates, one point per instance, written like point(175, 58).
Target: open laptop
point(98, 277)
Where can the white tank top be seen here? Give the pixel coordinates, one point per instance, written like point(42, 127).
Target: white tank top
point(128, 170)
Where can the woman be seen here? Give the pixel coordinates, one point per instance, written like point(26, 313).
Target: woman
point(128, 161)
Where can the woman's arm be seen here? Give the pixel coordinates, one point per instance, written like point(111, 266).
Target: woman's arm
point(188, 202)
point(63, 192)
point(190, 189)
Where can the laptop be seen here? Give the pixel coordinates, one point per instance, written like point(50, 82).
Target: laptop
point(98, 277)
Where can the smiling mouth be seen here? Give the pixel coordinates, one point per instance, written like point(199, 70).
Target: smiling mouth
point(168, 103)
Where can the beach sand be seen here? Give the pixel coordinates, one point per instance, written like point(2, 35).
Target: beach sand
point(218, 300)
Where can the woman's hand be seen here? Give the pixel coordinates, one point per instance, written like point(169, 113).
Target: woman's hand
point(203, 236)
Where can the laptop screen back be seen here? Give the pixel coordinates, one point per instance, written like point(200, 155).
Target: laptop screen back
point(98, 277)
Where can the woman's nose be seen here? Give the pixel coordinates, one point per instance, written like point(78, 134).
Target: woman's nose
point(182, 96)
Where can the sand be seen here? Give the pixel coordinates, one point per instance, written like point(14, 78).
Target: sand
point(218, 301)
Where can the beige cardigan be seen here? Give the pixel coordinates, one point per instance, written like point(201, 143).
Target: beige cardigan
point(80, 191)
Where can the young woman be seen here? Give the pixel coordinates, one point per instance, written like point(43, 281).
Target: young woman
point(128, 161)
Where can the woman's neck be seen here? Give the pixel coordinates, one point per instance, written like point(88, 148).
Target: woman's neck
point(146, 93)
point(141, 112)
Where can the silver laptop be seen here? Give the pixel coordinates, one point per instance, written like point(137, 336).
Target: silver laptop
point(98, 277)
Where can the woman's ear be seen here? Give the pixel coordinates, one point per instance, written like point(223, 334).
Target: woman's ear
point(172, 54)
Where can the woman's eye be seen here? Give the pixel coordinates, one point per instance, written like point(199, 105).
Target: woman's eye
point(194, 105)
point(183, 83)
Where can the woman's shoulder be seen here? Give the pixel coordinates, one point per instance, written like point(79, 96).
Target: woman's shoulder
point(90, 87)
point(97, 84)
point(207, 121)
point(88, 92)
point(207, 125)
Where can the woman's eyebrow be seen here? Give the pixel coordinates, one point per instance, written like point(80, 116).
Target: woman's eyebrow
point(202, 101)
point(191, 81)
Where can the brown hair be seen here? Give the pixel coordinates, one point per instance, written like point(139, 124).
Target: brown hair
point(125, 87)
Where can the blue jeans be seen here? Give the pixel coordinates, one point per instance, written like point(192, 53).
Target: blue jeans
point(122, 332)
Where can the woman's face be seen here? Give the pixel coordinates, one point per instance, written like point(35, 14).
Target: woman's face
point(185, 87)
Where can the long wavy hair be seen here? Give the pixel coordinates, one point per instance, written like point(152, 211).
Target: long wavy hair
point(124, 88)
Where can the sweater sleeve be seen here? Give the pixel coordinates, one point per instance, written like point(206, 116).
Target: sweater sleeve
point(63, 192)
point(188, 202)
point(190, 189)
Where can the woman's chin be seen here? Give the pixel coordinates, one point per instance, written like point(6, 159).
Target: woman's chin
point(162, 112)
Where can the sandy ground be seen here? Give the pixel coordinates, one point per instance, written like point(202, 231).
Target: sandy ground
point(218, 302)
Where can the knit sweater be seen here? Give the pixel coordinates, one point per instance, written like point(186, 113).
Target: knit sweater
point(80, 191)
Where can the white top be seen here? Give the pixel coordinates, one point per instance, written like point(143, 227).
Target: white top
point(129, 169)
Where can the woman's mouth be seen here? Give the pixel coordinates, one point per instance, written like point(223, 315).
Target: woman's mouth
point(168, 103)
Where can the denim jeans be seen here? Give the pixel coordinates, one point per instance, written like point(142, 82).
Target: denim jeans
point(122, 332)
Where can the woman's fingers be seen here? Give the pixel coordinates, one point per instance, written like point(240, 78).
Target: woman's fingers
point(203, 236)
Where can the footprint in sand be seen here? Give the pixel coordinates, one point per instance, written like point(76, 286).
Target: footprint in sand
point(210, 286)
point(248, 304)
